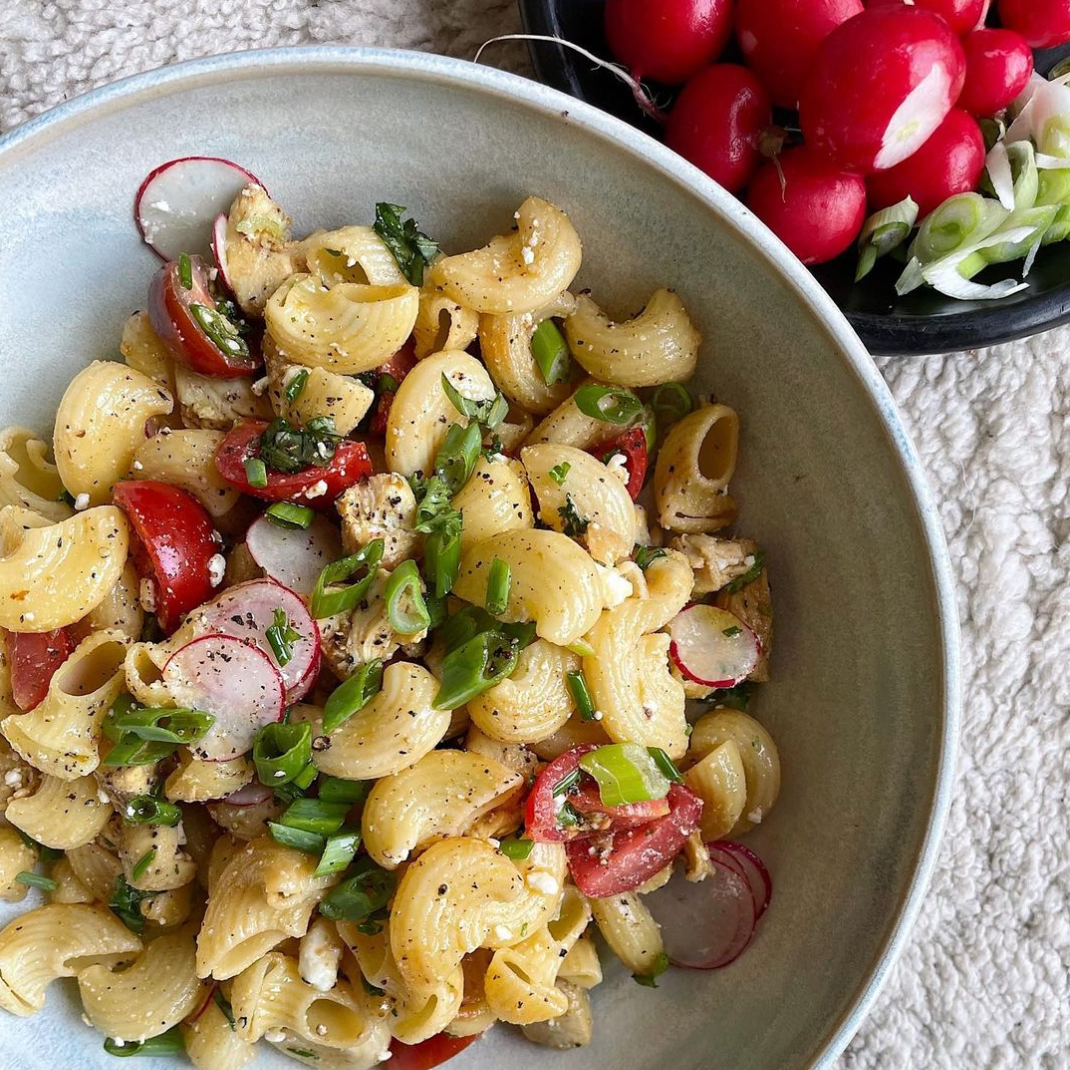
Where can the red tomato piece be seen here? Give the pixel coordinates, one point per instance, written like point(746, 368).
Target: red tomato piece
point(999, 64)
point(174, 544)
point(543, 807)
point(350, 464)
point(718, 121)
point(428, 1053)
point(630, 857)
point(173, 319)
point(1043, 23)
point(35, 657)
point(588, 801)
point(950, 162)
point(632, 444)
point(398, 366)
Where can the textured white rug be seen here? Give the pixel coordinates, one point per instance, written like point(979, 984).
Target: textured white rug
point(985, 981)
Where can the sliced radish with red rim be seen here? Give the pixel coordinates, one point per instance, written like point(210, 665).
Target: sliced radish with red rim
point(707, 924)
point(176, 203)
point(294, 556)
point(232, 680)
point(750, 866)
point(219, 248)
point(248, 610)
point(712, 647)
point(251, 795)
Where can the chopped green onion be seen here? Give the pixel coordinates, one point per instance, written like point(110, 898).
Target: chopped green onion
point(303, 1053)
point(35, 880)
point(335, 789)
point(645, 556)
point(225, 1009)
point(752, 573)
point(442, 559)
point(185, 271)
point(149, 810)
point(884, 231)
point(298, 839)
point(471, 621)
point(141, 866)
point(405, 606)
point(290, 515)
point(732, 698)
point(649, 980)
point(360, 895)
point(219, 330)
point(489, 412)
point(610, 404)
point(483, 661)
point(157, 724)
point(671, 402)
point(551, 353)
point(315, 815)
point(295, 387)
point(456, 459)
point(960, 221)
point(411, 248)
point(559, 471)
point(498, 583)
point(566, 784)
point(352, 695)
point(256, 472)
point(281, 635)
point(133, 751)
point(281, 752)
point(515, 848)
point(581, 647)
point(339, 852)
point(387, 384)
point(666, 764)
point(169, 1043)
point(328, 599)
point(577, 686)
point(625, 773)
point(732, 632)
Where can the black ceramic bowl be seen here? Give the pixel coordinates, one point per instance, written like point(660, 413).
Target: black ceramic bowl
point(921, 322)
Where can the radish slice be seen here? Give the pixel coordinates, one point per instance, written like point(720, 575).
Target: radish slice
point(706, 924)
point(751, 867)
point(248, 610)
point(251, 795)
point(712, 647)
point(292, 556)
point(177, 201)
point(235, 682)
point(219, 248)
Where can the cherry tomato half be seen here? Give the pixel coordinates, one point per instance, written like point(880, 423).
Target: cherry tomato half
point(173, 545)
point(35, 657)
point(632, 444)
point(623, 860)
point(186, 318)
point(350, 464)
point(397, 367)
point(428, 1053)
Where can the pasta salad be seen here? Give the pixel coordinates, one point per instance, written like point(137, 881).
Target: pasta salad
point(369, 640)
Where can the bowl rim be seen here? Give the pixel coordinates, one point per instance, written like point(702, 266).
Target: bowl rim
point(334, 59)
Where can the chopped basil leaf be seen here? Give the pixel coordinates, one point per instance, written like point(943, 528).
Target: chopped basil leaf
point(291, 449)
point(490, 412)
point(125, 904)
point(731, 633)
point(645, 556)
point(748, 577)
point(649, 980)
point(574, 523)
point(412, 249)
point(732, 698)
point(224, 1006)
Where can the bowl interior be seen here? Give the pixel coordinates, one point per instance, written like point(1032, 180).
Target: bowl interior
point(920, 322)
point(860, 705)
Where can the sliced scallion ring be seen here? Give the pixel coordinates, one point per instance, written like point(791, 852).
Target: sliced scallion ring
point(610, 404)
point(405, 606)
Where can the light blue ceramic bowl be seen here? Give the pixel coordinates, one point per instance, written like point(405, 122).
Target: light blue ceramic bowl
point(865, 701)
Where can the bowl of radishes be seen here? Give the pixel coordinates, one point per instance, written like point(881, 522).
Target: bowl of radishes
point(910, 152)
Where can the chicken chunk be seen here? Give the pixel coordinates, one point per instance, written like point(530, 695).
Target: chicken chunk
point(382, 507)
point(218, 404)
point(714, 561)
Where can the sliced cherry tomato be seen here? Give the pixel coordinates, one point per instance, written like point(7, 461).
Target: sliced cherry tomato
point(428, 1053)
point(397, 367)
point(35, 657)
point(587, 800)
point(173, 545)
point(623, 860)
point(185, 317)
point(349, 465)
point(542, 814)
point(632, 444)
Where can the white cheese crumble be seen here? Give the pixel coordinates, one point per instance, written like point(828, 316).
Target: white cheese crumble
point(384, 1055)
point(527, 255)
point(755, 816)
point(217, 567)
point(13, 778)
point(138, 466)
point(318, 959)
point(81, 502)
point(317, 490)
point(542, 882)
point(618, 465)
point(615, 587)
point(502, 933)
point(260, 386)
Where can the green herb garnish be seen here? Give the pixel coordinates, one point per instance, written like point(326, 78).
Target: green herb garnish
point(412, 249)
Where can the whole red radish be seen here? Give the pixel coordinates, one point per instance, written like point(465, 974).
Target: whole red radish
point(880, 85)
point(779, 39)
point(818, 211)
point(998, 67)
point(669, 40)
point(718, 122)
point(950, 162)
point(1043, 23)
point(961, 15)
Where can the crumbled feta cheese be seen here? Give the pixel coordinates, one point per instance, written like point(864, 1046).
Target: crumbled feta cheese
point(29, 616)
point(527, 255)
point(755, 816)
point(318, 959)
point(502, 933)
point(597, 715)
point(317, 490)
point(138, 466)
point(749, 561)
point(615, 587)
point(275, 1036)
point(102, 798)
point(384, 1055)
point(321, 1029)
point(260, 386)
point(542, 882)
point(13, 778)
point(81, 502)
point(618, 465)
point(217, 567)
